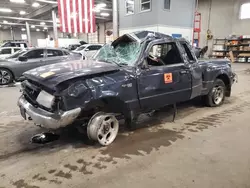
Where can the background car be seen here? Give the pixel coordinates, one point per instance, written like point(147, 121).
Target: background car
point(7, 51)
point(73, 46)
point(15, 65)
point(88, 50)
point(21, 44)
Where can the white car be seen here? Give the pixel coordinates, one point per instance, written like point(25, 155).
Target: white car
point(7, 51)
point(88, 50)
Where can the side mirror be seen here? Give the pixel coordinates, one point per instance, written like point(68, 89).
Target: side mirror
point(22, 58)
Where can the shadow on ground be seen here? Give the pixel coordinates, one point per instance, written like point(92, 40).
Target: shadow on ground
point(71, 137)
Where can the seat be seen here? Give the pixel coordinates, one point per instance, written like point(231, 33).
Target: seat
point(172, 57)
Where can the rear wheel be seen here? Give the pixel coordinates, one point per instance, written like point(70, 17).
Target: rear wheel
point(6, 77)
point(216, 96)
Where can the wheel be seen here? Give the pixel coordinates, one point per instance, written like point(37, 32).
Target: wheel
point(216, 95)
point(6, 77)
point(103, 128)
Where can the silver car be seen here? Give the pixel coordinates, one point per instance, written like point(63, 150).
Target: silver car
point(12, 68)
point(88, 50)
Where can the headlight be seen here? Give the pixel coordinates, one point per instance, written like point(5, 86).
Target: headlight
point(45, 99)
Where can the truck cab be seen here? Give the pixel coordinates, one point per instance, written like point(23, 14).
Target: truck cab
point(172, 72)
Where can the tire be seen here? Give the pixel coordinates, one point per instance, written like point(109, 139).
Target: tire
point(103, 128)
point(6, 77)
point(216, 95)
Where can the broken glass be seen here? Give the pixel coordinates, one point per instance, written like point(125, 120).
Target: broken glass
point(124, 53)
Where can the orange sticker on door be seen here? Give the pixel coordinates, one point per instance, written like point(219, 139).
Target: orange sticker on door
point(168, 78)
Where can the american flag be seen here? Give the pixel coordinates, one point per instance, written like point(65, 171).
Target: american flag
point(77, 16)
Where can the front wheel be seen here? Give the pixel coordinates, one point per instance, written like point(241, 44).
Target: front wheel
point(216, 95)
point(6, 77)
point(103, 128)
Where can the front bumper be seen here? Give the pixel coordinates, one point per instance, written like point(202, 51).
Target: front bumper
point(47, 119)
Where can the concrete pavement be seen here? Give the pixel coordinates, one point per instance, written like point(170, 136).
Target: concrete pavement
point(205, 147)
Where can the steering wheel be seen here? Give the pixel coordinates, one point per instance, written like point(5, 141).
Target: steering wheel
point(156, 59)
point(161, 61)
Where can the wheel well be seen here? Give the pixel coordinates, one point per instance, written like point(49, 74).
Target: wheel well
point(107, 104)
point(9, 71)
point(227, 83)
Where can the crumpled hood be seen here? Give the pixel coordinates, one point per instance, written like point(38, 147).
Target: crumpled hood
point(52, 75)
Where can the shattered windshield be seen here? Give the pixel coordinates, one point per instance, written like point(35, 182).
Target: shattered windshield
point(125, 53)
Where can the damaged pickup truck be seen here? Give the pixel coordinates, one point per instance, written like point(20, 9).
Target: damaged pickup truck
point(137, 73)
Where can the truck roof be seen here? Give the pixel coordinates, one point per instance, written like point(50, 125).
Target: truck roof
point(143, 35)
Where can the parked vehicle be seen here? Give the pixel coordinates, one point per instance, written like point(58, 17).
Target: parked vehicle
point(12, 68)
point(88, 50)
point(73, 46)
point(7, 51)
point(137, 73)
point(13, 43)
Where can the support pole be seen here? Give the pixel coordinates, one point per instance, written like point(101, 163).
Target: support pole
point(115, 19)
point(55, 28)
point(12, 33)
point(28, 33)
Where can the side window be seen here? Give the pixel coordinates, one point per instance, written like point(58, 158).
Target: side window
point(16, 49)
point(188, 52)
point(244, 11)
point(130, 6)
point(5, 51)
point(167, 4)
point(98, 47)
point(145, 5)
point(34, 54)
point(164, 54)
point(54, 53)
point(91, 48)
point(94, 47)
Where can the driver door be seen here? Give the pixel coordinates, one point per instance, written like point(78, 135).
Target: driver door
point(194, 68)
point(166, 80)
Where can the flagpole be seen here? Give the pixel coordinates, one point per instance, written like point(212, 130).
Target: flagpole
point(55, 28)
point(28, 33)
point(115, 19)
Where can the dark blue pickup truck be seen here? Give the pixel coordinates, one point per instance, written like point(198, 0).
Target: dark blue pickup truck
point(137, 73)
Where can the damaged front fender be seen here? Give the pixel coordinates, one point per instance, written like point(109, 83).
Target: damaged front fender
point(117, 90)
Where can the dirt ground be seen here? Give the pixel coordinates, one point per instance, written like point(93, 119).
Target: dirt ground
point(205, 147)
